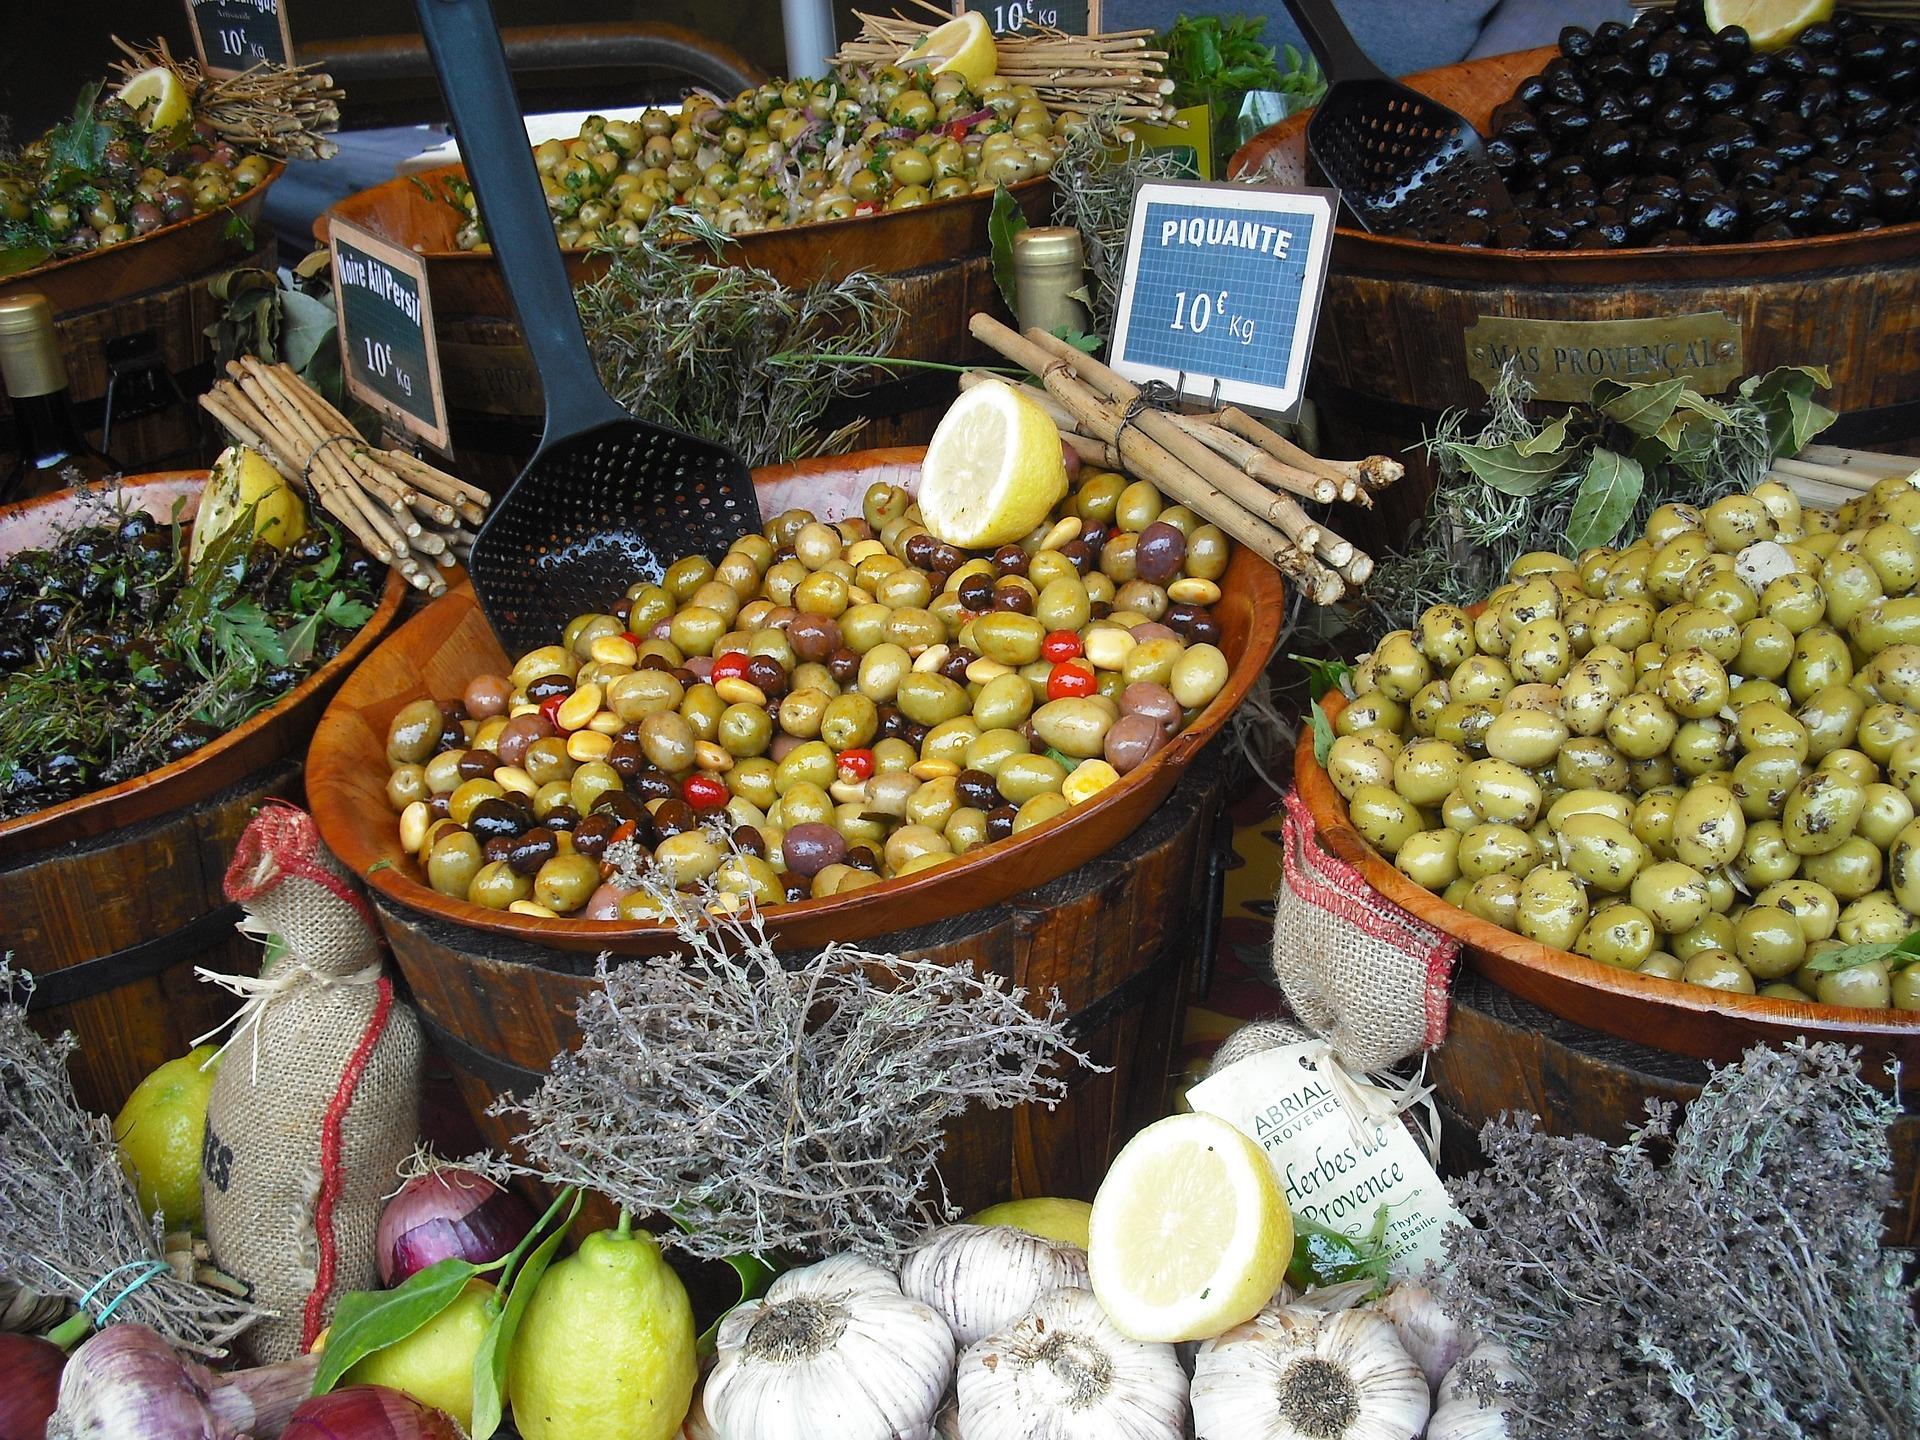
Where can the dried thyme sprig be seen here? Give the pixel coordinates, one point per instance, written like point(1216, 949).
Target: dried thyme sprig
point(1737, 1290)
point(69, 1217)
point(1095, 178)
point(782, 1111)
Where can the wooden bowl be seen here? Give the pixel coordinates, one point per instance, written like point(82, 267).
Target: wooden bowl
point(1665, 1014)
point(159, 257)
point(440, 649)
point(277, 731)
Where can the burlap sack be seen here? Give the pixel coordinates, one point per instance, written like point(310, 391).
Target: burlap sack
point(1355, 967)
point(317, 1101)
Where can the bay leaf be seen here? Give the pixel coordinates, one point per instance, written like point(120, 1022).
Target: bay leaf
point(1505, 469)
point(1608, 492)
point(1551, 440)
point(1642, 408)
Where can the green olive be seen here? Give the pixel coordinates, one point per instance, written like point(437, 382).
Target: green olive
point(1764, 858)
point(1653, 816)
point(497, 885)
point(1495, 898)
point(1864, 987)
point(1736, 521)
point(1717, 970)
point(931, 699)
point(1708, 828)
point(1481, 679)
point(1821, 811)
point(1464, 723)
point(1885, 811)
point(1661, 965)
point(1529, 738)
point(1427, 770)
point(1400, 667)
point(1021, 777)
point(1383, 818)
point(994, 747)
point(1820, 659)
point(414, 733)
point(452, 862)
point(1618, 934)
point(1588, 694)
point(1831, 717)
point(1589, 762)
point(1642, 726)
point(1076, 727)
point(1457, 814)
point(1012, 639)
point(1552, 907)
point(1495, 849)
point(1674, 895)
point(1812, 906)
point(1541, 651)
point(1715, 932)
point(1769, 942)
point(1851, 869)
point(1763, 778)
point(1424, 710)
point(1601, 851)
point(1445, 636)
point(1693, 683)
point(1501, 792)
point(1430, 858)
point(565, 883)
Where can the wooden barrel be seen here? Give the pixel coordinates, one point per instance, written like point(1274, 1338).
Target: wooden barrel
point(933, 262)
point(1404, 329)
point(149, 297)
point(1504, 1055)
point(113, 897)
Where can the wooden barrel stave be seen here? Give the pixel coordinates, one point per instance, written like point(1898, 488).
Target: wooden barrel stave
point(1116, 937)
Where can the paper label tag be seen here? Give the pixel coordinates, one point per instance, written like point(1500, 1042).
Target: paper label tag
point(1023, 17)
point(233, 36)
point(1221, 290)
point(386, 331)
point(1331, 1175)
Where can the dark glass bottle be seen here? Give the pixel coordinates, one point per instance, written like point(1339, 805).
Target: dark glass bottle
point(51, 452)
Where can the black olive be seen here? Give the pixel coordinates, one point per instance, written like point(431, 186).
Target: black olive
point(1612, 232)
point(1576, 43)
point(1466, 231)
point(1617, 192)
point(1661, 155)
point(1563, 168)
point(45, 614)
point(135, 525)
point(1820, 38)
point(1760, 207)
point(1734, 46)
point(1613, 73)
point(1513, 235)
point(1566, 123)
point(1717, 219)
point(493, 817)
point(1758, 169)
point(1677, 120)
point(1821, 171)
point(1834, 217)
point(1871, 117)
point(1816, 97)
point(1531, 91)
point(1646, 214)
point(1609, 150)
point(1566, 89)
point(1512, 119)
point(1776, 91)
point(1893, 195)
point(1792, 146)
point(1611, 105)
point(1550, 232)
point(1502, 153)
point(1855, 187)
point(1698, 185)
point(1696, 60)
point(1794, 60)
point(1607, 37)
point(1690, 13)
point(14, 651)
point(1718, 90)
point(1642, 99)
point(1537, 152)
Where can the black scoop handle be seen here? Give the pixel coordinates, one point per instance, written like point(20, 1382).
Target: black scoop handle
point(471, 65)
point(1332, 43)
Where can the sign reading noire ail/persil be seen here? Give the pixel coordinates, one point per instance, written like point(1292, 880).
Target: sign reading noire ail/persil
point(1221, 290)
point(386, 330)
point(233, 36)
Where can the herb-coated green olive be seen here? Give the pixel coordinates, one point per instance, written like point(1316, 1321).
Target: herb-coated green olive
point(1762, 780)
point(1495, 898)
point(1736, 521)
point(1672, 565)
point(1589, 801)
point(1456, 814)
point(1766, 649)
point(1601, 851)
point(1904, 991)
point(1588, 694)
point(1501, 792)
point(1697, 628)
point(1674, 895)
point(1481, 679)
point(1768, 942)
point(1767, 725)
point(1445, 636)
point(1820, 660)
point(1715, 932)
point(1352, 761)
point(1641, 726)
point(1821, 811)
point(1423, 711)
point(1496, 849)
point(1794, 601)
point(1894, 674)
point(1383, 818)
point(1076, 727)
point(1588, 762)
point(1850, 870)
point(1717, 970)
point(1693, 683)
point(1813, 906)
point(1764, 858)
point(1730, 595)
point(1400, 667)
point(1894, 620)
point(1831, 718)
point(1464, 723)
point(1884, 813)
point(1652, 819)
point(1863, 987)
point(1021, 777)
point(497, 885)
point(1708, 828)
point(1553, 907)
point(1529, 738)
point(1541, 651)
point(1430, 858)
point(1661, 965)
point(1619, 934)
point(1626, 624)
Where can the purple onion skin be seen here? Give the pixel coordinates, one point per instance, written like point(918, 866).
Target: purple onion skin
point(127, 1381)
point(448, 1212)
point(29, 1385)
point(368, 1412)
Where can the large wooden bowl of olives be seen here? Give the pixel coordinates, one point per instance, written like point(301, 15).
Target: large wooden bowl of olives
point(869, 790)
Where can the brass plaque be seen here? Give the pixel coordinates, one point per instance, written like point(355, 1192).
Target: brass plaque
point(1561, 359)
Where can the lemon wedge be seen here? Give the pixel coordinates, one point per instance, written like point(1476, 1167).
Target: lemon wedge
point(1769, 24)
point(1190, 1233)
point(993, 469)
point(243, 478)
point(963, 45)
point(161, 88)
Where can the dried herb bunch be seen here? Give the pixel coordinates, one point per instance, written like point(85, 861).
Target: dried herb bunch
point(282, 110)
point(779, 1111)
point(727, 351)
point(1737, 1291)
point(70, 1222)
point(1094, 179)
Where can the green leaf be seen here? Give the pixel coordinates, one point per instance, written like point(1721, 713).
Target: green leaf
point(377, 866)
point(1698, 404)
point(1807, 417)
point(297, 639)
point(1323, 675)
point(1608, 492)
point(1084, 343)
point(1505, 469)
point(1322, 732)
point(307, 324)
point(1643, 409)
point(1004, 222)
point(490, 1361)
point(16, 258)
point(1551, 440)
point(1904, 952)
point(755, 1275)
point(370, 1320)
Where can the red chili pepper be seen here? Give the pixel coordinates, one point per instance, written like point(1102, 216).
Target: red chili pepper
point(733, 662)
point(1061, 645)
point(705, 792)
point(1070, 679)
point(631, 638)
point(856, 764)
point(550, 708)
point(866, 207)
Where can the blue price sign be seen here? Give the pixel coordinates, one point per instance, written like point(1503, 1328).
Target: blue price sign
point(1222, 288)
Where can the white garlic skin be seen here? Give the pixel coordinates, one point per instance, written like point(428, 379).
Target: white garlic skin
point(982, 1278)
point(1292, 1373)
point(835, 1350)
point(1434, 1339)
point(1063, 1372)
point(1458, 1414)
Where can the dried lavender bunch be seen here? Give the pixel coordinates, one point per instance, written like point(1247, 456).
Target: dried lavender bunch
point(69, 1217)
point(782, 1111)
point(1736, 1292)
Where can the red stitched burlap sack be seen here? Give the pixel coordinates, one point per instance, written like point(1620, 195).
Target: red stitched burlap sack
point(318, 1099)
point(1354, 966)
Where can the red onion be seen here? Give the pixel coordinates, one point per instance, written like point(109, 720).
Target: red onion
point(448, 1212)
point(369, 1412)
point(127, 1381)
point(29, 1385)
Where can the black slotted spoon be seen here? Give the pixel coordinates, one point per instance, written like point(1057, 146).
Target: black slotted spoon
point(606, 499)
point(1403, 162)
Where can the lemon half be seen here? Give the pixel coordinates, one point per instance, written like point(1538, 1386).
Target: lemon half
point(242, 477)
point(161, 88)
point(963, 45)
point(1770, 24)
point(993, 469)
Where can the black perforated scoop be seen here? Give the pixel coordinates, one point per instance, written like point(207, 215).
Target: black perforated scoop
point(1404, 163)
point(606, 499)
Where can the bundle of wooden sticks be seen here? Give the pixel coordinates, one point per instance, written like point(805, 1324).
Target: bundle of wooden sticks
point(1224, 464)
point(1067, 72)
point(1826, 477)
point(403, 511)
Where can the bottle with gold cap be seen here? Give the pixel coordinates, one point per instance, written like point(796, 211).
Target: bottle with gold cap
point(51, 452)
point(1048, 266)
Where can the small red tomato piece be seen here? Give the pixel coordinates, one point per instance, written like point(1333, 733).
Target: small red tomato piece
point(733, 663)
point(1070, 680)
point(856, 764)
point(1060, 645)
point(550, 708)
point(705, 792)
point(631, 638)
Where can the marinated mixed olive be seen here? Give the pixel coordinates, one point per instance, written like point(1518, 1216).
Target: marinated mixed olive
point(1664, 132)
point(790, 154)
point(850, 701)
point(1696, 756)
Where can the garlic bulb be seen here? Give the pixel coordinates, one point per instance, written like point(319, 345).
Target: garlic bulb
point(1292, 1373)
point(1063, 1372)
point(1460, 1414)
point(834, 1349)
point(982, 1278)
point(1434, 1339)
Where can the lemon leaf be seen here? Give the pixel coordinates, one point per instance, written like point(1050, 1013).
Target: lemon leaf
point(490, 1363)
point(370, 1320)
point(1005, 221)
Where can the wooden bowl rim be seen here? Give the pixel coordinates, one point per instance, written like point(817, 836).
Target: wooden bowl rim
point(1329, 810)
point(27, 278)
point(1266, 611)
point(57, 823)
point(1670, 262)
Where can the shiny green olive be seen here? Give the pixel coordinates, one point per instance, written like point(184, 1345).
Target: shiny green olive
point(1588, 694)
point(1904, 991)
point(1864, 987)
point(565, 883)
point(1383, 818)
point(1541, 651)
point(1882, 727)
point(1695, 627)
point(1717, 970)
point(1674, 895)
point(1730, 595)
point(1430, 858)
point(1894, 674)
point(1423, 711)
point(1894, 620)
point(1653, 816)
point(1831, 717)
point(1427, 770)
point(1708, 828)
point(1529, 738)
point(850, 721)
point(1763, 778)
point(1642, 726)
point(1812, 906)
point(994, 748)
point(1850, 870)
point(1481, 679)
point(1618, 934)
point(1821, 811)
point(1021, 777)
point(1464, 723)
point(1767, 725)
point(1661, 965)
point(1625, 624)
point(1445, 636)
point(1601, 851)
point(1884, 812)
point(414, 733)
point(1496, 849)
point(1766, 649)
point(1495, 898)
point(1715, 932)
point(1764, 858)
point(1702, 746)
point(497, 885)
point(1400, 668)
point(1365, 712)
point(1693, 684)
point(1553, 907)
point(1670, 566)
point(931, 699)
point(1611, 804)
point(1501, 792)
point(1821, 659)
point(452, 862)
point(1736, 521)
point(1769, 942)
point(1076, 727)
point(1588, 762)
